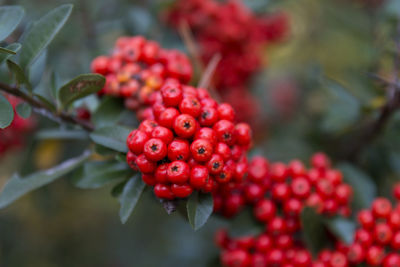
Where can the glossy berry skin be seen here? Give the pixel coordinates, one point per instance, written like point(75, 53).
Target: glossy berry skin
point(136, 141)
point(198, 176)
point(190, 106)
point(201, 150)
point(208, 134)
point(208, 116)
point(215, 164)
point(391, 260)
point(178, 150)
point(161, 173)
point(226, 112)
point(381, 208)
point(178, 172)
point(300, 187)
point(145, 166)
point(225, 175)
point(243, 134)
point(225, 131)
point(355, 254)
point(131, 160)
point(163, 133)
point(147, 126)
point(366, 219)
point(383, 233)
point(181, 191)
point(155, 149)
point(172, 95)
point(149, 179)
point(167, 117)
point(374, 255)
point(163, 191)
point(185, 126)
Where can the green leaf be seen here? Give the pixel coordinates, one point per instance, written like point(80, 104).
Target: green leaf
point(199, 208)
point(313, 230)
point(46, 102)
point(363, 186)
point(342, 228)
point(37, 68)
point(7, 51)
point(108, 112)
point(131, 193)
point(6, 112)
point(54, 84)
point(99, 173)
point(42, 33)
point(62, 134)
point(18, 186)
point(19, 74)
point(113, 137)
point(10, 17)
point(12, 47)
point(24, 110)
point(81, 86)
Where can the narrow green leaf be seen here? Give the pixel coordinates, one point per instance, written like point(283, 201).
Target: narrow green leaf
point(342, 228)
point(313, 230)
point(7, 51)
point(54, 84)
point(199, 208)
point(36, 69)
point(81, 86)
point(19, 74)
point(97, 174)
point(6, 112)
point(46, 102)
point(12, 47)
point(108, 112)
point(131, 193)
point(113, 137)
point(63, 134)
point(10, 17)
point(24, 110)
point(18, 186)
point(42, 33)
point(363, 187)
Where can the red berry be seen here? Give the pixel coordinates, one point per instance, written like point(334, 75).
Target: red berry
point(343, 193)
point(178, 150)
point(208, 116)
point(396, 191)
point(198, 176)
point(225, 175)
point(263, 243)
point(253, 192)
point(223, 150)
point(355, 254)
point(190, 106)
point(301, 188)
point(292, 207)
point(391, 260)
point(383, 233)
point(395, 244)
point(258, 169)
point(215, 164)
point(155, 149)
point(374, 255)
point(163, 133)
point(167, 117)
point(320, 161)
point(185, 126)
point(243, 134)
point(225, 131)
point(161, 173)
point(145, 165)
point(381, 207)
point(334, 176)
point(275, 257)
point(147, 126)
point(181, 191)
point(226, 112)
point(100, 65)
point(394, 220)
point(302, 258)
point(363, 237)
point(276, 226)
point(325, 188)
point(163, 191)
point(338, 259)
point(366, 219)
point(278, 172)
point(131, 160)
point(172, 95)
point(201, 150)
point(281, 191)
point(178, 172)
point(149, 179)
point(136, 141)
point(208, 134)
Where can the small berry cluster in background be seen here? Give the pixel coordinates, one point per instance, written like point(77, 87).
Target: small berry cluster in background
point(230, 29)
point(14, 135)
point(193, 143)
point(137, 67)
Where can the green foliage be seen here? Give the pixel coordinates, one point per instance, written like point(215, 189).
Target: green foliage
point(79, 87)
point(42, 33)
point(62, 134)
point(199, 208)
point(108, 112)
point(12, 47)
point(18, 186)
point(131, 193)
point(10, 17)
point(19, 74)
point(24, 110)
point(113, 137)
point(313, 230)
point(7, 51)
point(6, 112)
point(342, 228)
point(99, 173)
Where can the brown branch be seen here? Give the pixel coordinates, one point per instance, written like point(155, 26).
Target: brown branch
point(41, 109)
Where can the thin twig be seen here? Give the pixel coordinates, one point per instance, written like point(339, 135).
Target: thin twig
point(41, 109)
point(188, 39)
point(206, 78)
point(169, 205)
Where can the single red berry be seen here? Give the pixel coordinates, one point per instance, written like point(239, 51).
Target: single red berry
point(208, 134)
point(226, 112)
point(136, 141)
point(155, 149)
point(325, 256)
point(292, 207)
point(395, 244)
point(284, 241)
point(233, 205)
point(296, 168)
point(201, 150)
point(391, 260)
point(181, 191)
point(163, 133)
point(264, 210)
point(240, 172)
point(278, 172)
point(258, 169)
point(163, 191)
point(185, 126)
point(145, 165)
point(383, 233)
point(330, 206)
point(275, 257)
point(198, 176)
point(225, 131)
point(253, 192)
point(100, 65)
point(366, 219)
point(215, 164)
point(178, 172)
point(381, 207)
point(394, 220)
point(338, 259)
point(208, 116)
point(171, 94)
point(343, 193)
point(161, 173)
point(178, 150)
point(263, 243)
point(301, 188)
point(147, 126)
point(276, 226)
point(280, 191)
point(190, 106)
point(223, 150)
point(355, 254)
point(167, 117)
point(243, 134)
point(334, 176)
point(325, 188)
point(316, 202)
point(302, 258)
point(131, 160)
point(245, 242)
point(364, 238)
point(374, 255)
point(258, 260)
point(225, 175)
point(320, 161)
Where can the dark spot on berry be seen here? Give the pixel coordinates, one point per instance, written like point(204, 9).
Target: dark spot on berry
point(201, 150)
point(154, 147)
point(174, 168)
point(187, 125)
point(216, 165)
point(222, 175)
point(180, 157)
point(204, 115)
point(227, 136)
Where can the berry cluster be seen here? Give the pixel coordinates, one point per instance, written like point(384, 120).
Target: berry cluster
point(137, 67)
point(188, 142)
point(278, 193)
point(289, 187)
point(14, 135)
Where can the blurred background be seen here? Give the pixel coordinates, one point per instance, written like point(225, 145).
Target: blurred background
point(310, 85)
